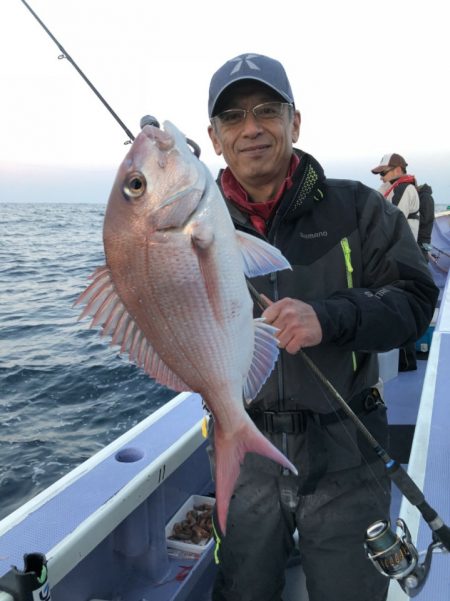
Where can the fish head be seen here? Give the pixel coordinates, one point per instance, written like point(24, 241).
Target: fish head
point(158, 185)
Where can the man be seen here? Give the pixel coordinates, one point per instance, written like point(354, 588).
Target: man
point(358, 285)
point(399, 188)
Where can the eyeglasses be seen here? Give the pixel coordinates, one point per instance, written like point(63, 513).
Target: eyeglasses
point(262, 112)
point(383, 173)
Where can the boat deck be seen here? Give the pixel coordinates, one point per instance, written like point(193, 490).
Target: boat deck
point(429, 462)
point(402, 393)
point(402, 397)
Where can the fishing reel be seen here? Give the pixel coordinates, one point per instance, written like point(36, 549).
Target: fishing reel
point(396, 556)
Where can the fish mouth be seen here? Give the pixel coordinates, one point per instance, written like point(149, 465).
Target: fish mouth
point(163, 139)
point(162, 169)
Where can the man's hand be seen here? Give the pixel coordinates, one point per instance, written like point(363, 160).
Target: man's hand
point(296, 321)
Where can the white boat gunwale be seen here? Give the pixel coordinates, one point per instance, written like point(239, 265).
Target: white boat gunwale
point(76, 545)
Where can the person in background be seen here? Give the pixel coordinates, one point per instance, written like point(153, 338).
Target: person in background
point(358, 285)
point(426, 220)
point(399, 188)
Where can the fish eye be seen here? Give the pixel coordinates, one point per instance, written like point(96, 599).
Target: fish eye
point(134, 185)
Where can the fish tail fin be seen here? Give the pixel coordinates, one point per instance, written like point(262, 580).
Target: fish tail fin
point(230, 452)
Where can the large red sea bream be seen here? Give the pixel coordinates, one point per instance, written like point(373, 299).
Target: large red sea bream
point(173, 293)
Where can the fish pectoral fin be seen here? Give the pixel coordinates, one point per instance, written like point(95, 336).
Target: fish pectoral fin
point(259, 256)
point(105, 306)
point(265, 355)
point(202, 235)
point(230, 452)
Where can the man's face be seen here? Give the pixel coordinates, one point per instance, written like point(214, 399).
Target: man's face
point(258, 151)
point(391, 173)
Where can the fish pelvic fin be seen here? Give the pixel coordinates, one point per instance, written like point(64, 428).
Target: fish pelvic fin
point(230, 452)
point(107, 309)
point(259, 256)
point(265, 355)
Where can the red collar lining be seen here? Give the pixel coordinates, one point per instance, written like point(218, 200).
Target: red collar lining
point(259, 212)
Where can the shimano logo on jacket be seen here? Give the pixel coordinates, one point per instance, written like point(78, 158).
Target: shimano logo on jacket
point(314, 235)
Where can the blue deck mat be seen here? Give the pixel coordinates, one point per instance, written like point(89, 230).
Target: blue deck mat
point(437, 478)
point(402, 395)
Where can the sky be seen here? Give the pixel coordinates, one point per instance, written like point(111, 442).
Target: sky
point(369, 78)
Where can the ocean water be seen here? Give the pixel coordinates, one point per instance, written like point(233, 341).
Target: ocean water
point(64, 391)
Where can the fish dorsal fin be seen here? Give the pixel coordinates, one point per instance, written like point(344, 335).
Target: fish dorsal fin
point(105, 306)
point(259, 256)
point(265, 355)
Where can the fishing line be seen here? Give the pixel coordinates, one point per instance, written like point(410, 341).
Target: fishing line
point(66, 55)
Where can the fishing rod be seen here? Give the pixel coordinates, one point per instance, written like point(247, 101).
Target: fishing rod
point(395, 557)
point(439, 250)
point(146, 120)
point(66, 55)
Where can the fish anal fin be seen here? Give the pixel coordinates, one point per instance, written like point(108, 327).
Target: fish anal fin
point(155, 367)
point(259, 256)
point(265, 355)
point(230, 452)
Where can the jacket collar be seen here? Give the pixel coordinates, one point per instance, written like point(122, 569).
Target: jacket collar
point(308, 188)
point(259, 213)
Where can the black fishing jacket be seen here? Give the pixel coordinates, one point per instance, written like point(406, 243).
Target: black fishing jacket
point(355, 261)
point(426, 214)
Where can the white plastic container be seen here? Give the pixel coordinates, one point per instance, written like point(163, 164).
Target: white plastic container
point(388, 365)
point(180, 515)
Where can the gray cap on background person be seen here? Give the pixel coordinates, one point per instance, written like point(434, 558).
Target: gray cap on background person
point(390, 160)
point(249, 66)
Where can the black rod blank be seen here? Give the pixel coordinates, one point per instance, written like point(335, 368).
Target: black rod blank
point(66, 55)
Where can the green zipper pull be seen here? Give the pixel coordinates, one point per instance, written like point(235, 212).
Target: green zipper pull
point(349, 269)
point(348, 261)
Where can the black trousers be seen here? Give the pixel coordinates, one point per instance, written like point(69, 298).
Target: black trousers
point(266, 510)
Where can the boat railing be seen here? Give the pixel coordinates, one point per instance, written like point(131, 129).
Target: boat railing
point(120, 498)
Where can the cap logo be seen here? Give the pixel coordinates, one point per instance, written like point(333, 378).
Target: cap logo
point(240, 61)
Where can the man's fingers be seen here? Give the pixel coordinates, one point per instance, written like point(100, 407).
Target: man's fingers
point(288, 341)
point(271, 313)
point(293, 346)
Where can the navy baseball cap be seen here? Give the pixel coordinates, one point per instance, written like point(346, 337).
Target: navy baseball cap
point(249, 66)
